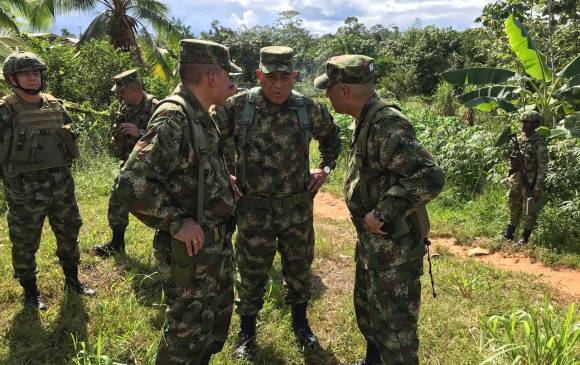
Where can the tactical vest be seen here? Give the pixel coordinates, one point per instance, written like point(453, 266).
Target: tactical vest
point(417, 220)
point(38, 139)
point(248, 120)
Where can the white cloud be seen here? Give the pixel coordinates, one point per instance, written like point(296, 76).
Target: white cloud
point(249, 19)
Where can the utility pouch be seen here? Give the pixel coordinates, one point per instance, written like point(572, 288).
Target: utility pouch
point(5, 147)
point(419, 219)
point(182, 265)
point(23, 145)
point(69, 140)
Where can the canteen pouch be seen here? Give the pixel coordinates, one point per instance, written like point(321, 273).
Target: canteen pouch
point(69, 139)
point(182, 265)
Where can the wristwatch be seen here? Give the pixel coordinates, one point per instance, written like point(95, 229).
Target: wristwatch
point(141, 132)
point(378, 216)
point(326, 169)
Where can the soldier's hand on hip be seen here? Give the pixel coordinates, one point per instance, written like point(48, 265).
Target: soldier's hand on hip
point(129, 129)
point(317, 179)
point(372, 224)
point(192, 236)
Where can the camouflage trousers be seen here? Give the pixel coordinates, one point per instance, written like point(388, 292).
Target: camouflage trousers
point(31, 197)
point(262, 232)
point(517, 197)
point(387, 295)
point(199, 297)
point(118, 214)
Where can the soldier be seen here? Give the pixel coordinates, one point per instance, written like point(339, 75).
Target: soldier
point(176, 182)
point(272, 126)
point(389, 179)
point(131, 122)
point(527, 176)
point(38, 147)
point(218, 114)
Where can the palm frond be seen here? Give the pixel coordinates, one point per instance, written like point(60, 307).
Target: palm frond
point(160, 23)
point(7, 21)
point(155, 58)
point(96, 29)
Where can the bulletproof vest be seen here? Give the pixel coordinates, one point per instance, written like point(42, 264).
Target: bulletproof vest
point(248, 120)
point(38, 138)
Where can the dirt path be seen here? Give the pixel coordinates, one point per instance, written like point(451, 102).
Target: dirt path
point(567, 281)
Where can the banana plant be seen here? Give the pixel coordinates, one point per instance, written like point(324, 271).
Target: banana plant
point(555, 96)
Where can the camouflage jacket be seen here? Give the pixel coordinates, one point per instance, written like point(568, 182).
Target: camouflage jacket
point(159, 180)
point(535, 153)
point(218, 114)
point(138, 115)
point(401, 174)
point(277, 146)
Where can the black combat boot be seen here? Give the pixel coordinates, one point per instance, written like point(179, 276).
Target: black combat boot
point(116, 245)
point(245, 347)
point(372, 357)
point(32, 297)
point(509, 232)
point(72, 283)
point(525, 237)
point(300, 326)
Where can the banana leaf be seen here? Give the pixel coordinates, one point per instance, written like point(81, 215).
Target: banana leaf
point(523, 46)
point(499, 91)
point(572, 124)
point(572, 69)
point(488, 103)
point(478, 76)
point(504, 137)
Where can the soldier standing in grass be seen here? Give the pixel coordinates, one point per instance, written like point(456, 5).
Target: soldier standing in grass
point(131, 122)
point(272, 126)
point(175, 181)
point(38, 147)
point(527, 176)
point(389, 179)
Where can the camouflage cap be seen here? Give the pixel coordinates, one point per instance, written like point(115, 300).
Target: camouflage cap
point(206, 53)
point(531, 116)
point(124, 78)
point(348, 69)
point(276, 58)
point(21, 61)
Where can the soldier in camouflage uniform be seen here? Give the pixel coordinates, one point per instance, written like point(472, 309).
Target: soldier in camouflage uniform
point(36, 152)
point(389, 179)
point(527, 175)
point(131, 122)
point(272, 126)
point(175, 181)
point(218, 114)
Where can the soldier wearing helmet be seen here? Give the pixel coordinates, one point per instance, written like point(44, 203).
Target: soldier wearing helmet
point(527, 177)
point(37, 148)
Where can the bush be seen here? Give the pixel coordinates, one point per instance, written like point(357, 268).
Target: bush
point(558, 225)
point(444, 100)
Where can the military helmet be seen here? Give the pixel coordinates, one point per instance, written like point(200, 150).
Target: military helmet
point(531, 116)
point(22, 61)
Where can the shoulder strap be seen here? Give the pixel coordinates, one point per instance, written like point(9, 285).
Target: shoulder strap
point(302, 113)
point(247, 121)
point(199, 145)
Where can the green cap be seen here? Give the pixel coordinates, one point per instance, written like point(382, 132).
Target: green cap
point(124, 78)
point(531, 116)
point(347, 69)
point(276, 58)
point(206, 53)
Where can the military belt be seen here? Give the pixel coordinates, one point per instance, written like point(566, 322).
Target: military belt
point(287, 202)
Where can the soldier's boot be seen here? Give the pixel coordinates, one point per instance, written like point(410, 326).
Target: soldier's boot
point(245, 346)
point(525, 237)
point(301, 328)
point(72, 283)
point(372, 357)
point(32, 297)
point(509, 232)
point(116, 245)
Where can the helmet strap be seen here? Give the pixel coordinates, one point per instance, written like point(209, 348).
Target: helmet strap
point(30, 91)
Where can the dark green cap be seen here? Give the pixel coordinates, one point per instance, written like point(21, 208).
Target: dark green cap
point(124, 78)
point(347, 69)
point(206, 53)
point(531, 116)
point(276, 58)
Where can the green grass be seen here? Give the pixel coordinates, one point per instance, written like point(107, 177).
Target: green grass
point(124, 321)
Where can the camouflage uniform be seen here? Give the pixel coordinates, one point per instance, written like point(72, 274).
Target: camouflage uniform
point(275, 213)
point(218, 114)
point(159, 184)
point(535, 165)
point(399, 176)
point(38, 146)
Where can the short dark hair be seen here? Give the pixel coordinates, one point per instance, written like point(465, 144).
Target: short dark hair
point(194, 72)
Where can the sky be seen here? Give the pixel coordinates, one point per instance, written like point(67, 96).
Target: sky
point(320, 16)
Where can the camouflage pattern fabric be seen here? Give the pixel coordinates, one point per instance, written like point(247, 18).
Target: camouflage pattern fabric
point(535, 152)
point(158, 184)
point(204, 52)
point(31, 197)
point(347, 69)
point(228, 146)
point(277, 155)
point(276, 58)
point(125, 78)
point(118, 214)
point(402, 176)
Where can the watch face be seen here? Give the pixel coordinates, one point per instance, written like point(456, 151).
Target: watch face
point(326, 169)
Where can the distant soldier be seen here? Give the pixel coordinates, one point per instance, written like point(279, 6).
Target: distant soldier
point(130, 124)
point(176, 182)
point(272, 126)
point(389, 179)
point(527, 177)
point(38, 147)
